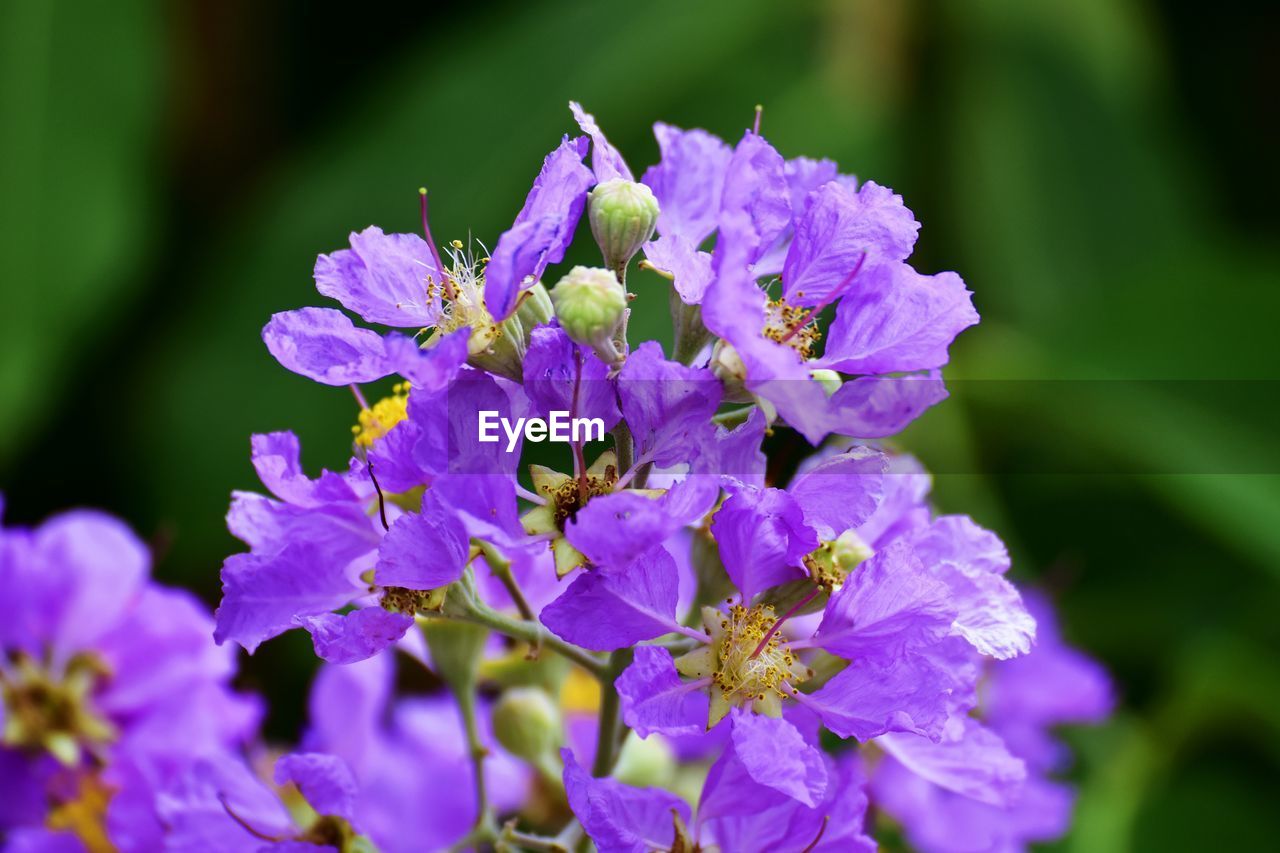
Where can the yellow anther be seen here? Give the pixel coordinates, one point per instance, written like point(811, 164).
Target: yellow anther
point(377, 420)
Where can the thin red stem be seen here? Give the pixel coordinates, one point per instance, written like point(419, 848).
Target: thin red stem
point(435, 253)
point(792, 612)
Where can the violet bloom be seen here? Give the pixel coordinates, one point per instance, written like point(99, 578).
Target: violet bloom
point(111, 685)
point(761, 793)
point(949, 806)
point(402, 281)
point(819, 241)
point(374, 775)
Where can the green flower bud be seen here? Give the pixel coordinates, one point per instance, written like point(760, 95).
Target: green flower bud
point(535, 308)
point(591, 304)
point(527, 723)
point(456, 649)
point(622, 215)
point(645, 762)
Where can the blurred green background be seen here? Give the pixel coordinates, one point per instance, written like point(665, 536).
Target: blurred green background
point(1103, 175)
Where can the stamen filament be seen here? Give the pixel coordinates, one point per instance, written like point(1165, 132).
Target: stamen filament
point(431, 242)
point(764, 641)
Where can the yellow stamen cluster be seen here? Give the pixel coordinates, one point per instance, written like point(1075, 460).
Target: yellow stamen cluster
point(789, 324)
point(741, 676)
point(564, 495)
point(46, 712)
point(377, 420)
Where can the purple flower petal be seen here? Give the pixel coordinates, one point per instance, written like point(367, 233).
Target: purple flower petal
point(776, 756)
point(605, 159)
point(423, 550)
point(970, 760)
point(911, 692)
point(843, 232)
point(553, 378)
point(261, 594)
point(324, 780)
point(892, 319)
point(605, 610)
point(687, 182)
point(762, 538)
point(756, 202)
point(841, 492)
point(970, 560)
point(611, 529)
point(542, 230)
point(680, 258)
point(620, 818)
point(354, 636)
point(323, 344)
point(343, 531)
point(887, 605)
point(655, 699)
point(276, 458)
point(383, 278)
point(666, 404)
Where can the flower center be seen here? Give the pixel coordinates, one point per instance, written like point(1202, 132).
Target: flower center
point(47, 713)
point(377, 420)
point(790, 325)
point(744, 674)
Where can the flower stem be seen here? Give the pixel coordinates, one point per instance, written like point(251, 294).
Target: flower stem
point(531, 632)
point(611, 728)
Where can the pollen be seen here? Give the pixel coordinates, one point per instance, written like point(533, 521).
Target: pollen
point(790, 325)
point(377, 420)
point(745, 670)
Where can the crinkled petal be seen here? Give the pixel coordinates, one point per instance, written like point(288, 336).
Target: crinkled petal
point(344, 531)
point(842, 491)
point(893, 319)
point(909, 693)
point(755, 200)
point(666, 404)
point(970, 760)
point(620, 818)
point(655, 699)
point(762, 538)
point(261, 594)
point(605, 159)
point(688, 181)
point(889, 604)
point(354, 636)
point(612, 609)
point(611, 529)
point(679, 258)
point(542, 230)
point(841, 234)
point(423, 550)
point(383, 278)
point(776, 756)
point(323, 344)
point(277, 459)
point(557, 372)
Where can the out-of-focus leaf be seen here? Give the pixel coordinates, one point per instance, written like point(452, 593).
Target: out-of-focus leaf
point(79, 101)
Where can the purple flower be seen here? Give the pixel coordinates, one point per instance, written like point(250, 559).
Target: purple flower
point(110, 683)
point(988, 787)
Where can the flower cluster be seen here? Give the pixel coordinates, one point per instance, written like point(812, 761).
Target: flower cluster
point(666, 639)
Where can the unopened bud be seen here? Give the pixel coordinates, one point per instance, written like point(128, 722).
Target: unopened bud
point(527, 723)
point(456, 649)
point(535, 308)
point(590, 304)
point(623, 215)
